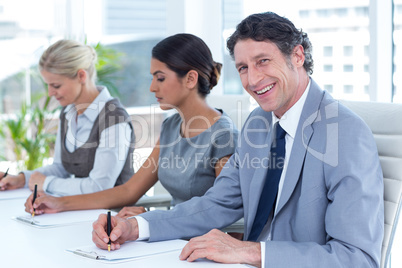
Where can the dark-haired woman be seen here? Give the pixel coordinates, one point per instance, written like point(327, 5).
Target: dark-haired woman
point(194, 143)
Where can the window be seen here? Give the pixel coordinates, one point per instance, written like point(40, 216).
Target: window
point(362, 11)
point(347, 68)
point(131, 28)
point(398, 9)
point(327, 51)
point(304, 13)
point(366, 51)
point(135, 17)
point(348, 51)
point(328, 68)
point(366, 68)
point(340, 35)
point(233, 14)
point(366, 90)
point(324, 13)
point(341, 12)
point(23, 36)
point(329, 88)
point(348, 89)
point(397, 57)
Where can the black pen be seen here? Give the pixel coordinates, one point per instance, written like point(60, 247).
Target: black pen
point(5, 174)
point(34, 197)
point(109, 229)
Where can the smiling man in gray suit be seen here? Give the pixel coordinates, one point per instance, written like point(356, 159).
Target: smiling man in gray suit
point(325, 209)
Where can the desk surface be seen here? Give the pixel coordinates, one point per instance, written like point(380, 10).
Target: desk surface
point(25, 246)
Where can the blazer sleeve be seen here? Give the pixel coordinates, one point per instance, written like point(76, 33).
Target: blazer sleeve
point(219, 207)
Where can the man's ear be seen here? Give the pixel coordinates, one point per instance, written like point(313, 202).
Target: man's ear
point(82, 76)
point(191, 79)
point(298, 55)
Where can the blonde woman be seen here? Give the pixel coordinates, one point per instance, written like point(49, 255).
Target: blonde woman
point(95, 136)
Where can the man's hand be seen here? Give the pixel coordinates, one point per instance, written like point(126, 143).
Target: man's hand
point(36, 178)
point(130, 211)
point(220, 247)
point(122, 230)
point(11, 182)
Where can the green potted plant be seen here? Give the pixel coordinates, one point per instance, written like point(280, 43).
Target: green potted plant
point(31, 136)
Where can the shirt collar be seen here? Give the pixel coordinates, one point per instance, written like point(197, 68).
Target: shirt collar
point(91, 113)
point(290, 120)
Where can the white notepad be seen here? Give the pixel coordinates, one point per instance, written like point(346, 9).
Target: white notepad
point(129, 251)
point(15, 194)
point(61, 218)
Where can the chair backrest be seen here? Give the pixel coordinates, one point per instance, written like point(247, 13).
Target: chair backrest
point(236, 106)
point(385, 121)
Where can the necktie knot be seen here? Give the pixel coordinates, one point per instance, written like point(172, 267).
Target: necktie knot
point(280, 132)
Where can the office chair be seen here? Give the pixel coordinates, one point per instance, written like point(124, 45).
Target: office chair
point(385, 121)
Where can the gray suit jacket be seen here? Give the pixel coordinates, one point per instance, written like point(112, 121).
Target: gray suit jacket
point(330, 213)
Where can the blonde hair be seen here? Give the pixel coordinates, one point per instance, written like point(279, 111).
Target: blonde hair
point(66, 57)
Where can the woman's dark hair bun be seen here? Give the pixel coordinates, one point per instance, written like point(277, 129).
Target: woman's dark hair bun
point(215, 74)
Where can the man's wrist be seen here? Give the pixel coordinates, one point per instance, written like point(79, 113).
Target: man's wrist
point(133, 228)
point(252, 253)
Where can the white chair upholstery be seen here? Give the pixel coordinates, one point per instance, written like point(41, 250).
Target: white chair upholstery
point(236, 106)
point(385, 121)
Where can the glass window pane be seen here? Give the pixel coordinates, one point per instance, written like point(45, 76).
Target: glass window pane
point(304, 13)
point(329, 88)
point(341, 12)
point(397, 66)
point(366, 51)
point(232, 14)
point(134, 17)
point(339, 32)
point(132, 28)
point(348, 89)
point(26, 29)
point(348, 51)
point(348, 68)
point(362, 11)
point(328, 51)
point(328, 68)
point(366, 89)
point(23, 36)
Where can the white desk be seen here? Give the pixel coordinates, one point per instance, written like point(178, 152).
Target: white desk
point(25, 246)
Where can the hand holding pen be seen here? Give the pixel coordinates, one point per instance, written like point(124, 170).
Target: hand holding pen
point(9, 182)
point(122, 230)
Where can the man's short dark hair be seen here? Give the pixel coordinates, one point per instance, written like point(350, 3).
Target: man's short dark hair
point(279, 30)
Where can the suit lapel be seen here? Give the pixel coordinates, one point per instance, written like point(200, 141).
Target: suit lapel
point(258, 180)
point(301, 142)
